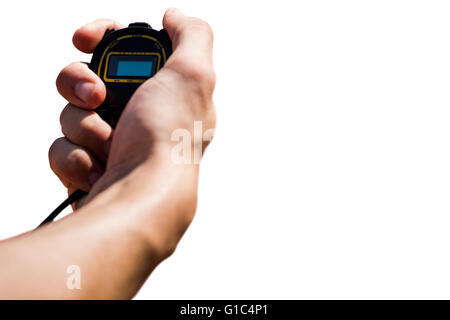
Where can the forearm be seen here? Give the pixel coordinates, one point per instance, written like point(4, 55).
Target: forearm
point(117, 239)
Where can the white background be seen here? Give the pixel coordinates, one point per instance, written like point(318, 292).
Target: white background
point(329, 176)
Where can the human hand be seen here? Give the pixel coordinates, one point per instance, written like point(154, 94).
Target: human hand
point(179, 94)
point(140, 202)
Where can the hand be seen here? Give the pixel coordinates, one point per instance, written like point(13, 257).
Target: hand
point(140, 202)
point(130, 170)
point(91, 154)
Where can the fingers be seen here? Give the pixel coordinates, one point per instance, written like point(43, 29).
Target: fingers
point(74, 158)
point(87, 129)
point(80, 86)
point(73, 164)
point(192, 41)
point(77, 83)
point(88, 36)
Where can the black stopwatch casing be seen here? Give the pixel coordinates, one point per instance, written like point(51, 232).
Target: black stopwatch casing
point(124, 59)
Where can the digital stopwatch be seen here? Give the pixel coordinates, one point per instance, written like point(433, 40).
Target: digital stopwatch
point(123, 60)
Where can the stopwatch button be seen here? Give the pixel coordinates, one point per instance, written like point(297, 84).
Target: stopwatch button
point(108, 31)
point(140, 24)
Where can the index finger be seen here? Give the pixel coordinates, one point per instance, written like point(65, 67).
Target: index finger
point(88, 36)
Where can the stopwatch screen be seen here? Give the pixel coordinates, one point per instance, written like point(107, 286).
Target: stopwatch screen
point(131, 66)
point(134, 68)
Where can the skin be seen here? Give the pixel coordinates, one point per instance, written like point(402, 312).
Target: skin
point(140, 202)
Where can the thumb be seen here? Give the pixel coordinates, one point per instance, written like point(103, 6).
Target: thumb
point(192, 38)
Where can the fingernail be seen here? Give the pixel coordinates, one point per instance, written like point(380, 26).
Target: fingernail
point(93, 177)
point(84, 90)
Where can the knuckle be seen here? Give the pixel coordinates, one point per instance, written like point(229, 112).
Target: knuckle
point(206, 78)
point(88, 125)
point(197, 73)
point(75, 160)
point(64, 114)
point(202, 75)
point(202, 26)
point(211, 79)
point(63, 160)
point(79, 127)
point(52, 153)
point(63, 74)
point(59, 80)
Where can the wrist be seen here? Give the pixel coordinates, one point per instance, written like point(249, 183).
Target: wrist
point(155, 201)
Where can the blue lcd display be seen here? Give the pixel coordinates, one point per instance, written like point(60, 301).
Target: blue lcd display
point(133, 66)
point(129, 68)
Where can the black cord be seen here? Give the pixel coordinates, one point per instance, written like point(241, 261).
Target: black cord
point(77, 195)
